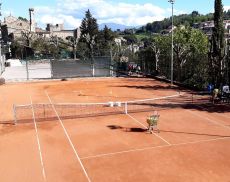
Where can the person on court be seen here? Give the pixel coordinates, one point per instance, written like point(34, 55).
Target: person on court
point(215, 95)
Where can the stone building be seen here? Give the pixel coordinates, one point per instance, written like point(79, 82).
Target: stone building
point(207, 27)
point(59, 31)
point(16, 26)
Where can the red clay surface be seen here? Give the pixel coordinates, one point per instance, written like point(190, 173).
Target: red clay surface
point(193, 143)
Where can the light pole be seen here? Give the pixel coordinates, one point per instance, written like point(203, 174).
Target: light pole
point(172, 2)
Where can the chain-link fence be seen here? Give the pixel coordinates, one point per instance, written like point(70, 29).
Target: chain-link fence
point(96, 67)
point(60, 68)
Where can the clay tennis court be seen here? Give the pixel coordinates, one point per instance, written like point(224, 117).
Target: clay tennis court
point(193, 143)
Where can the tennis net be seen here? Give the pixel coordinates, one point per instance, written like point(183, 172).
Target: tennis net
point(46, 111)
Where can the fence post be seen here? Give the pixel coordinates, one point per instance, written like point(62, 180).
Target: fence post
point(92, 63)
point(126, 108)
point(51, 68)
point(93, 70)
point(15, 115)
point(111, 63)
point(27, 70)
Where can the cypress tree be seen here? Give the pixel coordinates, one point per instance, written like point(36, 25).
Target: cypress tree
point(89, 30)
point(217, 46)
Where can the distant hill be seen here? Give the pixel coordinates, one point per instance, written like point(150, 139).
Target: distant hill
point(183, 19)
point(114, 26)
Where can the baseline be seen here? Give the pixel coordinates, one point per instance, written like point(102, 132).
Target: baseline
point(156, 147)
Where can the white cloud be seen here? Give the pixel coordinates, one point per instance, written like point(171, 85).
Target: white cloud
point(125, 10)
point(44, 10)
point(7, 13)
point(132, 20)
point(226, 8)
point(51, 19)
point(70, 20)
point(71, 12)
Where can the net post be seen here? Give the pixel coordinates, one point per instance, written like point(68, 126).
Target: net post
point(44, 111)
point(15, 115)
point(126, 108)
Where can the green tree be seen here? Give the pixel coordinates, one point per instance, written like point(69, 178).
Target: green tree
point(163, 43)
point(89, 31)
point(155, 55)
point(45, 47)
point(183, 19)
point(16, 49)
point(154, 43)
point(108, 35)
point(131, 39)
point(105, 40)
point(227, 63)
point(187, 43)
point(217, 53)
point(23, 19)
point(145, 60)
point(27, 37)
point(72, 41)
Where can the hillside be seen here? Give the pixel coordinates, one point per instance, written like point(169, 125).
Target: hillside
point(114, 26)
point(185, 19)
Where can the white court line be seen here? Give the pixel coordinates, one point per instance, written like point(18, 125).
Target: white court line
point(38, 141)
point(156, 147)
point(147, 128)
point(68, 137)
point(122, 152)
point(209, 120)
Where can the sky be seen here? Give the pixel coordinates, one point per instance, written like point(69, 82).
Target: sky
point(126, 12)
